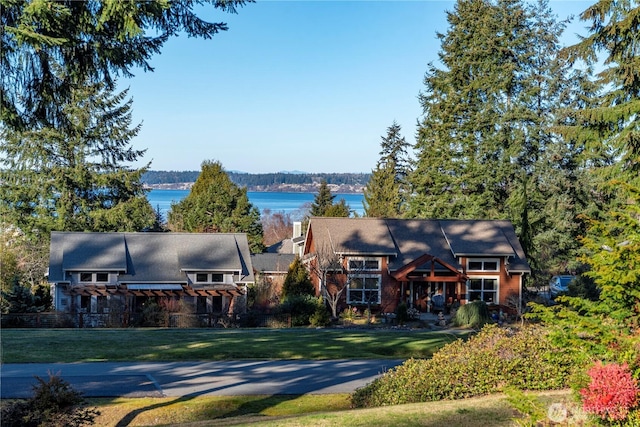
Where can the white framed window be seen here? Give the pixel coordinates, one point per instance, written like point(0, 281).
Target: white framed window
point(483, 264)
point(101, 277)
point(364, 289)
point(483, 289)
point(364, 264)
point(209, 278)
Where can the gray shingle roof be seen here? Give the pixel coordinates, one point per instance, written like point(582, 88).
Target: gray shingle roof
point(149, 257)
point(406, 240)
point(354, 236)
point(272, 262)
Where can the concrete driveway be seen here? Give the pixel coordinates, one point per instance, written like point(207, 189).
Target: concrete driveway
point(179, 379)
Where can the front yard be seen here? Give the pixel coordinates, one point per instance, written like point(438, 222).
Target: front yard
point(149, 344)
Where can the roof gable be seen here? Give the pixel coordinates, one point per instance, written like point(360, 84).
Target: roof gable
point(477, 238)
point(405, 240)
point(149, 257)
point(353, 236)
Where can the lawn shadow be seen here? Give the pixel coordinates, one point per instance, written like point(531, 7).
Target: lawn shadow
point(128, 418)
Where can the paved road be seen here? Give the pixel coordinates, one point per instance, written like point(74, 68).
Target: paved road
point(126, 379)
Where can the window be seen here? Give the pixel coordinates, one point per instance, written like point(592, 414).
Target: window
point(483, 289)
point(94, 277)
point(364, 290)
point(209, 278)
point(489, 264)
point(364, 264)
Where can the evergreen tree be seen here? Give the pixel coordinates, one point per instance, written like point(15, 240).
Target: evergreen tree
point(322, 201)
point(73, 175)
point(217, 205)
point(488, 145)
point(474, 115)
point(385, 193)
point(323, 204)
point(49, 46)
point(609, 129)
point(297, 281)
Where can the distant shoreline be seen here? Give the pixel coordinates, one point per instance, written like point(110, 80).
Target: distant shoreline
point(274, 188)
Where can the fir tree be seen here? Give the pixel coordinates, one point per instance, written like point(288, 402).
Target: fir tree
point(48, 47)
point(385, 193)
point(74, 175)
point(488, 144)
point(323, 204)
point(217, 205)
point(322, 201)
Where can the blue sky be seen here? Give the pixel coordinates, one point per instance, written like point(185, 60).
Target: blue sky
point(293, 85)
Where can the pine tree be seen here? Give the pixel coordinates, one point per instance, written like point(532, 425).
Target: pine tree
point(385, 193)
point(74, 175)
point(216, 205)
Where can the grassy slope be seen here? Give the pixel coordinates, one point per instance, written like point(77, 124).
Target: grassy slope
point(312, 410)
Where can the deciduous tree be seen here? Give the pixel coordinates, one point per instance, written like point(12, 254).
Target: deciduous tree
point(277, 226)
point(327, 268)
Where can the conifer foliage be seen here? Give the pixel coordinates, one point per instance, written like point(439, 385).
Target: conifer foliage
point(297, 281)
point(385, 193)
point(74, 174)
point(217, 205)
point(323, 204)
point(49, 46)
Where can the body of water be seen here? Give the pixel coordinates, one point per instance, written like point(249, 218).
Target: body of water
point(295, 204)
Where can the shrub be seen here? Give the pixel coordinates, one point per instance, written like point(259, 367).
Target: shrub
point(473, 315)
point(612, 393)
point(300, 307)
point(402, 314)
point(54, 403)
point(321, 316)
point(489, 361)
point(154, 315)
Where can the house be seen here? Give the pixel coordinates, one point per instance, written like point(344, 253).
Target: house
point(270, 270)
point(384, 262)
point(94, 272)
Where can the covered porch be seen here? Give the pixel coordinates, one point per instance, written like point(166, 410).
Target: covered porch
point(428, 276)
point(121, 304)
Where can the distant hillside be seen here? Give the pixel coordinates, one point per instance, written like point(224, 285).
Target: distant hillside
point(280, 181)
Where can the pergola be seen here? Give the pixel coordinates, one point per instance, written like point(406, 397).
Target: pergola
point(154, 290)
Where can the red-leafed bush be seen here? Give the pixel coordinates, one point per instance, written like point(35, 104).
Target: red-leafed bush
point(611, 393)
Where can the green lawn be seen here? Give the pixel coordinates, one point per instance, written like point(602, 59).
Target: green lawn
point(311, 410)
point(145, 344)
